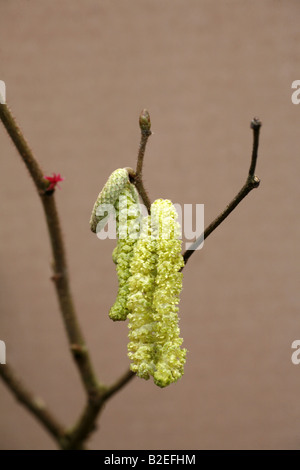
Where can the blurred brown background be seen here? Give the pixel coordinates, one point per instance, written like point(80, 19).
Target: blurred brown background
point(77, 76)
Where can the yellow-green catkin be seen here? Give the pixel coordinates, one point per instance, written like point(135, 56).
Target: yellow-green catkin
point(119, 194)
point(110, 193)
point(141, 347)
point(154, 288)
point(128, 218)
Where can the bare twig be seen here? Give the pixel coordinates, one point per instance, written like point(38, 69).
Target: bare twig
point(251, 183)
point(60, 275)
point(114, 388)
point(22, 147)
point(145, 126)
point(61, 280)
point(97, 394)
point(33, 403)
point(87, 421)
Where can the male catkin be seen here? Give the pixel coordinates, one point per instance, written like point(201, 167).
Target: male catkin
point(154, 287)
point(121, 197)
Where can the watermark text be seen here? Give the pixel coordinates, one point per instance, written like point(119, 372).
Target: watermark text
point(2, 352)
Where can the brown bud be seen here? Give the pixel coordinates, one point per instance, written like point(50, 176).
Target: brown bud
point(145, 123)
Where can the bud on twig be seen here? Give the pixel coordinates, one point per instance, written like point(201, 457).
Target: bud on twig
point(145, 123)
point(255, 123)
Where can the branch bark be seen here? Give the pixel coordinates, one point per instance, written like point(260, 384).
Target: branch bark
point(60, 275)
point(252, 182)
point(97, 393)
point(137, 178)
point(87, 421)
point(35, 404)
point(22, 147)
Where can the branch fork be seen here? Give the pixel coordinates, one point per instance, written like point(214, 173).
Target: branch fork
point(97, 394)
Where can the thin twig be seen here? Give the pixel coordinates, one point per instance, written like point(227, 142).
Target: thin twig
point(33, 403)
point(60, 275)
point(115, 387)
point(22, 147)
point(255, 125)
point(87, 421)
point(60, 278)
point(97, 394)
point(145, 126)
point(251, 183)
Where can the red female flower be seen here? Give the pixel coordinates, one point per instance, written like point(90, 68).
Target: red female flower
point(54, 180)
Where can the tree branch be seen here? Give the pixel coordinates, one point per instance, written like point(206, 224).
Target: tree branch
point(22, 147)
point(60, 276)
point(145, 126)
point(33, 403)
point(97, 394)
point(120, 383)
point(252, 182)
point(87, 421)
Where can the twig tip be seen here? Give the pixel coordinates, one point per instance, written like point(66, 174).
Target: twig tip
point(145, 122)
point(255, 123)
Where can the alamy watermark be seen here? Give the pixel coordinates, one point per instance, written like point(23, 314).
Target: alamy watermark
point(2, 352)
point(190, 218)
point(295, 358)
point(296, 94)
point(2, 92)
